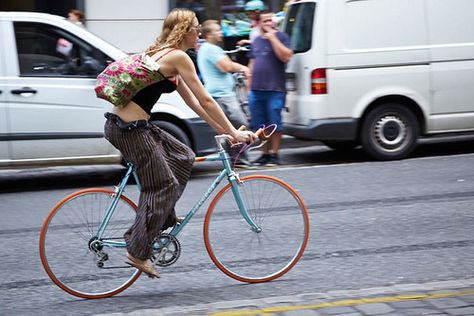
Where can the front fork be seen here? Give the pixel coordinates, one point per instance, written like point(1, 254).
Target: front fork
point(236, 182)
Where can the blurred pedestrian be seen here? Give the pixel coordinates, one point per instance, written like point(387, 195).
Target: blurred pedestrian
point(268, 55)
point(216, 71)
point(76, 16)
point(163, 164)
point(253, 9)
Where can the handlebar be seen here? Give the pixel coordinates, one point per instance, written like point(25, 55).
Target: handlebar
point(263, 134)
point(238, 49)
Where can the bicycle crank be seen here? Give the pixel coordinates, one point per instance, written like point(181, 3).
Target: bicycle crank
point(166, 250)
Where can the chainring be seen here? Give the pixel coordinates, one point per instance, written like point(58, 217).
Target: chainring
point(171, 254)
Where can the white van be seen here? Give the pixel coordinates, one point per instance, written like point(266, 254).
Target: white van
point(49, 112)
point(380, 73)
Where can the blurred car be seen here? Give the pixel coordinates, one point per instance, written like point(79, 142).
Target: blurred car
point(48, 109)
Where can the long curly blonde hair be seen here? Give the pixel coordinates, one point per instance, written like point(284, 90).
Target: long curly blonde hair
point(178, 22)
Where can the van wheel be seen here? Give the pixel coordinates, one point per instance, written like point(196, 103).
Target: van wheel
point(389, 132)
point(175, 131)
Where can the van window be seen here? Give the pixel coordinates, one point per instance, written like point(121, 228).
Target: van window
point(299, 26)
point(45, 50)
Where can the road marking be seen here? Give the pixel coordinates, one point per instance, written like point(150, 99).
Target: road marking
point(342, 303)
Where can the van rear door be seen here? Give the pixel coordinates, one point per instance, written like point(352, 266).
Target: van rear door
point(452, 67)
point(304, 23)
point(299, 27)
point(4, 142)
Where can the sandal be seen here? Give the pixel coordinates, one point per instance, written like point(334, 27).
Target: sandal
point(146, 266)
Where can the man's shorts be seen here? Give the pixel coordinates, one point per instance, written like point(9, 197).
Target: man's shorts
point(265, 108)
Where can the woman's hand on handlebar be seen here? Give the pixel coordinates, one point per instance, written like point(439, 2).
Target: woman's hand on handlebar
point(244, 136)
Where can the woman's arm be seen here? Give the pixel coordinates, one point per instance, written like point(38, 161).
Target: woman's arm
point(186, 70)
point(193, 103)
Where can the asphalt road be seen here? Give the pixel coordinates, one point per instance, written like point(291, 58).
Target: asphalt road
point(294, 153)
point(372, 224)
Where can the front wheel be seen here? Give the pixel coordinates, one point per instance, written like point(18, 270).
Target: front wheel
point(76, 260)
point(390, 131)
point(250, 255)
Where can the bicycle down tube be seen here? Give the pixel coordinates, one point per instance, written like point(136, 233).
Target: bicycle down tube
point(232, 177)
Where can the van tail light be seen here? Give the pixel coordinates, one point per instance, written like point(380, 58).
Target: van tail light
point(318, 81)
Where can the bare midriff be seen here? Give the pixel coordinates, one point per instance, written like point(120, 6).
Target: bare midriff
point(131, 112)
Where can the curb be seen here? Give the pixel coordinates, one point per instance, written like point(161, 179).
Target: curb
point(442, 296)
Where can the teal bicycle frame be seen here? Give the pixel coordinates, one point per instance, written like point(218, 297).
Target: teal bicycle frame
point(227, 172)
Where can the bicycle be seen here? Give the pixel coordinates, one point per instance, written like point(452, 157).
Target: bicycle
point(255, 230)
point(240, 86)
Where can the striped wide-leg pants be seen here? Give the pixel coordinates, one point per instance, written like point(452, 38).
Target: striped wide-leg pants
point(163, 165)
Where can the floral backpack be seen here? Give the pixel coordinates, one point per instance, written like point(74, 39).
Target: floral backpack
point(122, 79)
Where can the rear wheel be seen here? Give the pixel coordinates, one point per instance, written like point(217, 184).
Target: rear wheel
point(242, 93)
point(390, 131)
point(74, 258)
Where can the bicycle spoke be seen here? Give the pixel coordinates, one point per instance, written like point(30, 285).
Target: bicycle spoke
point(277, 211)
point(65, 245)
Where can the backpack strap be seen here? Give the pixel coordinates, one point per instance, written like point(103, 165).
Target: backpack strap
point(166, 53)
point(175, 80)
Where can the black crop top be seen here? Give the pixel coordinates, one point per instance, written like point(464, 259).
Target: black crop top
point(147, 97)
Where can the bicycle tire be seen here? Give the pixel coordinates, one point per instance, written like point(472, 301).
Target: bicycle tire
point(240, 252)
point(64, 244)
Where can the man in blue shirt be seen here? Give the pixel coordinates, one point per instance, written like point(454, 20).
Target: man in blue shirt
point(268, 56)
point(216, 70)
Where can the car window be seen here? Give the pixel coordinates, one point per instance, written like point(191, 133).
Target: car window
point(299, 26)
point(48, 51)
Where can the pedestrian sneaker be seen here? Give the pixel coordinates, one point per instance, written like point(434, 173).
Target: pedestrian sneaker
point(273, 160)
point(243, 163)
point(263, 160)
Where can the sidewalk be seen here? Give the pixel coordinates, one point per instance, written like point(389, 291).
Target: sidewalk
point(435, 298)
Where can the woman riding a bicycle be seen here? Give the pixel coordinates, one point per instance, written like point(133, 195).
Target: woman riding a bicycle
point(162, 163)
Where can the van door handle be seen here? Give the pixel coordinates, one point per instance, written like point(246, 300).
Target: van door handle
point(24, 92)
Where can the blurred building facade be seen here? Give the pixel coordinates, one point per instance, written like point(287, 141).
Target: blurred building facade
point(133, 27)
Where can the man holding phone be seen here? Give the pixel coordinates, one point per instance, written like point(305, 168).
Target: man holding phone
point(268, 56)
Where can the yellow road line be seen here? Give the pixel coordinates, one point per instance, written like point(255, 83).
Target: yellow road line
point(384, 299)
